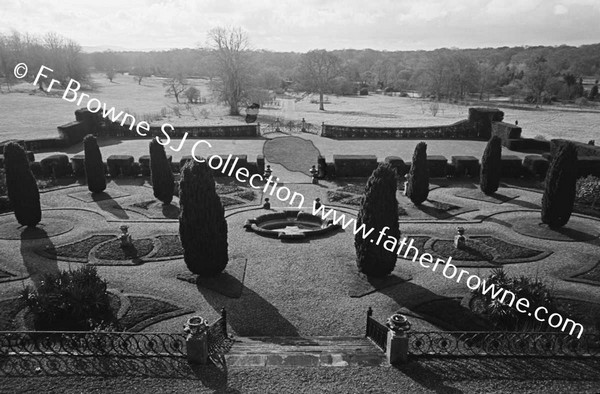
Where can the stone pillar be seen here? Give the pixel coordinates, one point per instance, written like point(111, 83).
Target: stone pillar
point(397, 339)
point(197, 340)
point(397, 348)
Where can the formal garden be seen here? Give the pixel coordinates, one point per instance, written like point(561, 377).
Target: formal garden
point(110, 244)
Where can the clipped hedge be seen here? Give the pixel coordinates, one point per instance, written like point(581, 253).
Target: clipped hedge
point(21, 186)
point(56, 165)
point(94, 167)
point(560, 188)
point(354, 165)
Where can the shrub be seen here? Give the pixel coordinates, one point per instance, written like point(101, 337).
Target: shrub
point(588, 190)
point(342, 86)
point(94, 167)
point(559, 191)
point(21, 186)
point(36, 169)
point(417, 188)
point(506, 317)
point(192, 94)
point(202, 225)
point(160, 172)
point(379, 209)
point(70, 300)
point(581, 102)
point(491, 166)
point(364, 92)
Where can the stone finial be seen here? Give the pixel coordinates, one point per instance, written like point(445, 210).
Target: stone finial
point(460, 239)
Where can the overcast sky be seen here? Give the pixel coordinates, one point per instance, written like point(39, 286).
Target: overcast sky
point(301, 25)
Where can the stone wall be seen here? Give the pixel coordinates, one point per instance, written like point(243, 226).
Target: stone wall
point(354, 165)
point(115, 130)
point(582, 149)
point(506, 131)
point(462, 130)
point(477, 127)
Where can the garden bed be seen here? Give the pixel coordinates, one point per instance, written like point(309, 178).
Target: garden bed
point(112, 250)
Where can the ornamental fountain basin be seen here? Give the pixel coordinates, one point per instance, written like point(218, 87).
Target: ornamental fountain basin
point(290, 225)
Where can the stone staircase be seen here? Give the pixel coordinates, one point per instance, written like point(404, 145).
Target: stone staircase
point(304, 352)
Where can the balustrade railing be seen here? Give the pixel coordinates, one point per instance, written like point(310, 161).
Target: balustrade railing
point(489, 343)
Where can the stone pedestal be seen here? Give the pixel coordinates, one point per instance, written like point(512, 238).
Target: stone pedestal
point(196, 342)
point(197, 349)
point(397, 348)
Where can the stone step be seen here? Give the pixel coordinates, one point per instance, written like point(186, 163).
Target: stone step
point(304, 352)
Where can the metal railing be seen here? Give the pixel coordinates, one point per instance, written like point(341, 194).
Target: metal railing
point(110, 344)
point(494, 343)
point(117, 344)
point(219, 342)
point(488, 343)
point(376, 331)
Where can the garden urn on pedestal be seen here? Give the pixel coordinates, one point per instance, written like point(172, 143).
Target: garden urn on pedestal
point(460, 239)
point(397, 338)
point(196, 340)
point(125, 237)
point(314, 173)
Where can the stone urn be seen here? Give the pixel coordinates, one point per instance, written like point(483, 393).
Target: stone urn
point(398, 324)
point(195, 326)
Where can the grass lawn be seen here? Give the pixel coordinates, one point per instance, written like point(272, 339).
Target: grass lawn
point(27, 116)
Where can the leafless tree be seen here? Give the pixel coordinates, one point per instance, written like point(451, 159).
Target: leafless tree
point(318, 68)
point(175, 84)
point(231, 47)
point(537, 76)
point(110, 74)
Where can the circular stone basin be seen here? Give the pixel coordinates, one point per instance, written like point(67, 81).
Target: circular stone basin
point(290, 224)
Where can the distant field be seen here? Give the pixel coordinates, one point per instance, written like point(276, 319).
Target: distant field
point(27, 116)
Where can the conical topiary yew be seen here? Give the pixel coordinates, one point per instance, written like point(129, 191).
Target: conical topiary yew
point(21, 186)
point(202, 224)
point(417, 188)
point(94, 167)
point(560, 188)
point(379, 209)
point(163, 182)
point(491, 166)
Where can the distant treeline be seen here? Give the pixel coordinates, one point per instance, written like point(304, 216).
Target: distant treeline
point(536, 74)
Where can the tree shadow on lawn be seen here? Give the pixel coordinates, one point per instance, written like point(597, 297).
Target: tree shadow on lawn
point(250, 315)
point(426, 377)
point(438, 210)
point(37, 266)
point(105, 202)
point(442, 369)
point(525, 204)
point(444, 312)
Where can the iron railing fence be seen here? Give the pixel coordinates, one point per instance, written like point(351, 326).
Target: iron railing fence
point(376, 331)
point(118, 344)
point(110, 344)
point(502, 344)
point(219, 342)
point(488, 343)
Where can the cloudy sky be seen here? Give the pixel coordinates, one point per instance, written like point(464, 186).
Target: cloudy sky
point(301, 25)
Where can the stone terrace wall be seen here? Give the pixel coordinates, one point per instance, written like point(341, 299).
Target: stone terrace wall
point(234, 131)
point(582, 149)
point(459, 130)
point(477, 127)
point(506, 131)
